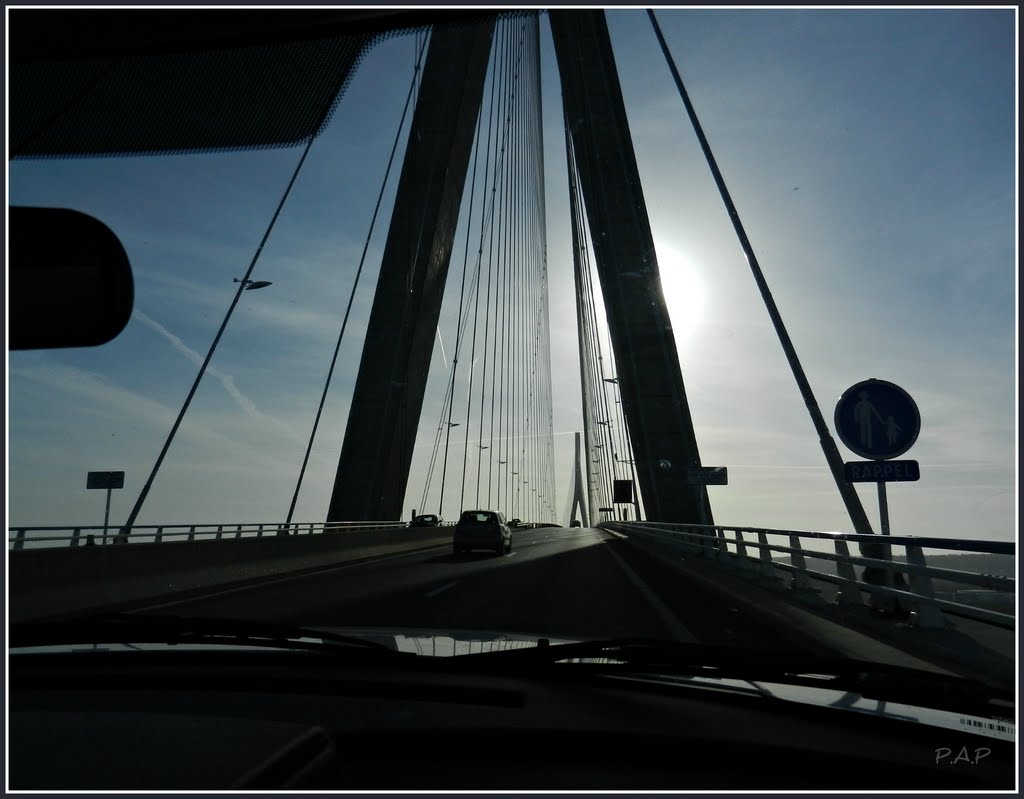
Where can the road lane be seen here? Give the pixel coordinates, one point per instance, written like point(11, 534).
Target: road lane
point(573, 583)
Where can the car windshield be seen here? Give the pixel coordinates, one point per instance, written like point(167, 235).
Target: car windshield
point(716, 305)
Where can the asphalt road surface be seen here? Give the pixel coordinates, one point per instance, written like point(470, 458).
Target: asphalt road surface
point(576, 583)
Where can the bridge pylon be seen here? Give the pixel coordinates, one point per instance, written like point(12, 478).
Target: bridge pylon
point(579, 497)
point(373, 470)
point(650, 380)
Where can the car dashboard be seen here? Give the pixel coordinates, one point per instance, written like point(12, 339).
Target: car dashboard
point(195, 720)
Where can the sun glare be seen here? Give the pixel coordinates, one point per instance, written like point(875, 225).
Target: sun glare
point(684, 292)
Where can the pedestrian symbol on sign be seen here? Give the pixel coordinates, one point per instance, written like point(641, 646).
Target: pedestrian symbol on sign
point(892, 431)
point(877, 419)
point(863, 413)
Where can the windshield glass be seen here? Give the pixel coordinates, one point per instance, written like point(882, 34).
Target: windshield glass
point(641, 285)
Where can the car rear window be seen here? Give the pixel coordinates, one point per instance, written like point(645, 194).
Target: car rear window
point(478, 517)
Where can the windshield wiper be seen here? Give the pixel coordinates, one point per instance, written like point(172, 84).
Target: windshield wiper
point(642, 656)
point(143, 628)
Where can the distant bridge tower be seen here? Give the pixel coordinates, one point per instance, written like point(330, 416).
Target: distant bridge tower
point(578, 494)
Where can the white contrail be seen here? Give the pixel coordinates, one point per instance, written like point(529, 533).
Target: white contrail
point(226, 380)
point(439, 341)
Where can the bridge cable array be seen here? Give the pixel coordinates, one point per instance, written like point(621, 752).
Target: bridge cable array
point(507, 447)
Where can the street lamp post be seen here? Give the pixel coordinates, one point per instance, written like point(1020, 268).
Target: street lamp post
point(243, 285)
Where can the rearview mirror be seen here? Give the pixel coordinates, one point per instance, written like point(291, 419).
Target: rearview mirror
point(69, 280)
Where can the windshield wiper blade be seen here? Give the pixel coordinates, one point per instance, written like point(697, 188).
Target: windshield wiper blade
point(637, 656)
point(141, 628)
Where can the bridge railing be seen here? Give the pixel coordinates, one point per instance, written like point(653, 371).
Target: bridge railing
point(784, 554)
point(35, 537)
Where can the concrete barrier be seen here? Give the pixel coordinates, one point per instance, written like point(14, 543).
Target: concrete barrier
point(54, 582)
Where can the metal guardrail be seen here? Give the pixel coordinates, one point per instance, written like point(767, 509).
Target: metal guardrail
point(910, 580)
point(39, 537)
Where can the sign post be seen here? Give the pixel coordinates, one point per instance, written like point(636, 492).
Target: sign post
point(877, 419)
point(705, 476)
point(109, 481)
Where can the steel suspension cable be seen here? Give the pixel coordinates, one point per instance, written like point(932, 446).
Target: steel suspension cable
point(622, 443)
point(601, 398)
point(591, 360)
point(517, 267)
point(499, 161)
point(450, 399)
point(499, 68)
point(588, 322)
point(832, 456)
point(487, 224)
point(541, 213)
point(359, 272)
point(628, 460)
point(514, 232)
point(575, 229)
point(508, 147)
point(507, 262)
point(242, 284)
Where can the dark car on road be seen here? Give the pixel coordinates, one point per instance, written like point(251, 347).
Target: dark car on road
point(482, 529)
point(426, 520)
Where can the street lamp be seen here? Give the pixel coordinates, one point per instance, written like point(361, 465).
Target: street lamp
point(252, 285)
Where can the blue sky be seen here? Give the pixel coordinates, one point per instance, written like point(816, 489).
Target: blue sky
point(871, 155)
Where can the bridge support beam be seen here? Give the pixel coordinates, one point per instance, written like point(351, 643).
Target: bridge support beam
point(377, 451)
point(650, 380)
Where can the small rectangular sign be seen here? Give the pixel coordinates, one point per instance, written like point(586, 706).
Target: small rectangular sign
point(709, 476)
point(622, 491)
point(105, 480)
point(881, 471)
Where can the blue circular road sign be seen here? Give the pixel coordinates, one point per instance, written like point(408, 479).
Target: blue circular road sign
point(877, 419)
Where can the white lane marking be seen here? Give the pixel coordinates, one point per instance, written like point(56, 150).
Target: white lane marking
point(617, 535)
point(676, 627)
point(445, 587)
point(284, 578)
